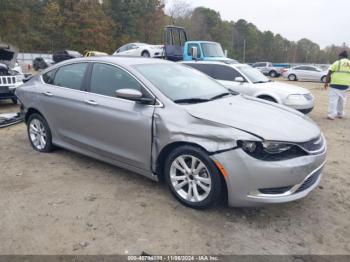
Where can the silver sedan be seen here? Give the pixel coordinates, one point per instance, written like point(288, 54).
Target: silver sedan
point(305, 72)
point(169, 122)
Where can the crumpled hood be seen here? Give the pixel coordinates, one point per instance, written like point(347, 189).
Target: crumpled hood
point(8, 54)
point(292, 89)
point(261, 118)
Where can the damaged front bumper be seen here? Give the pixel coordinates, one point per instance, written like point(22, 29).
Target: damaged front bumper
point(9, 119)
point(252, 182)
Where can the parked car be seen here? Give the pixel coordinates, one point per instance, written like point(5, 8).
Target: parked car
point(170, 122)
point(94, 53)
point(178, 48)
point(140, 49)
point(249, 81)
point(63, 55)
point(306, 72)
point(268, 69)
point(11, 75)
point(42, 63)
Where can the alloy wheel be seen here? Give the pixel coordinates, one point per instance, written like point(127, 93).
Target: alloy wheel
point(190, 178)
point(37, 134)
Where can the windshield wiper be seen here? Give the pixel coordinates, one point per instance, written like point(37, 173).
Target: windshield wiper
point(193, 100)
point(261, 82)
point(220, 96)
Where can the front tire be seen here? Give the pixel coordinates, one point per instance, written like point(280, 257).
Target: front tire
point(193, 178)
point(292, 77)
point(39, 133)
point(145, 54)
point(324, 79)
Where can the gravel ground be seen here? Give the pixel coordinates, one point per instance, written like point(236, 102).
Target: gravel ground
point(65, 203)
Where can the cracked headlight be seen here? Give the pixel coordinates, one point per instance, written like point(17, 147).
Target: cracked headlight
point(296, 100)
point(271, 150)
point(275, 147)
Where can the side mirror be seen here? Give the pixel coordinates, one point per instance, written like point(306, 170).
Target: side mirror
point(130, 94)
point(239, 79)
point(194, 53)
point(226, 53)
point(134, 95)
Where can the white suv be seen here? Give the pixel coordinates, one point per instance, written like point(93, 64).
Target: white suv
point(11, 75)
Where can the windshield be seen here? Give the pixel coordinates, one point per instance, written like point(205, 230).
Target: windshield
point(253, 74)
point(212, 50)
point(179, 82)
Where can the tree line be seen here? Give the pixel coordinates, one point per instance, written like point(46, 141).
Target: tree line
point(105, 25)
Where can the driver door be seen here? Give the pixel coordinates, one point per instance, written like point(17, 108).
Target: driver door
point(116, 128)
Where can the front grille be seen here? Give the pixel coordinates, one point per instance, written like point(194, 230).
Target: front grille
point(310, 181)
point(7, 80)
point(314, 145)
point(308, 97)
point(275, 190)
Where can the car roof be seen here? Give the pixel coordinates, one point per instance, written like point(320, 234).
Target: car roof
point(122, 60)
point(202, 42)
point(213, 63)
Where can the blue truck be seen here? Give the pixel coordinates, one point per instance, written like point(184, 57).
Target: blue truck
point(178, 48)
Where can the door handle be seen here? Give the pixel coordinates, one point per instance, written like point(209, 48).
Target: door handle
point(48, 94)
point(91, 102)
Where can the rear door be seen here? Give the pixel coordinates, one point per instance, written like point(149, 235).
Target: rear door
point(302, 73)
point(62, 101)
point(116, 128)
point(313, 73)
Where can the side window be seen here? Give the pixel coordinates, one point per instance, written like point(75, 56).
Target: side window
point(193, 45)
point(259, 65)
point(107, 79)
point(123, 48)
point(206, 69)
point(309, 68)
point(132, 47)
point(182, 38)
point(71, 76)
point(48, 77)
point(299, 68)
point(225, 73)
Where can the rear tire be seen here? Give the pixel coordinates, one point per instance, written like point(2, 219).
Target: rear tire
point(193, 178)
point(292, 77)
point(39, 133)
point(324, 79)
point(273, 74)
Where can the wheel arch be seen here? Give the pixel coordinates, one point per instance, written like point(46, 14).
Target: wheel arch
point(31, 111)
point(145, 51)
point(267, 95)
point(160, 162)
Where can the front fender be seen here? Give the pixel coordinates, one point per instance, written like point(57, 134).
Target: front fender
point(274, 96)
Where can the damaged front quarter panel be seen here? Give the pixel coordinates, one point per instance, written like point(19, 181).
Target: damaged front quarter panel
point(175, 126)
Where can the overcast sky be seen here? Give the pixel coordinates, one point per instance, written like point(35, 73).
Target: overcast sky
point(325, 22)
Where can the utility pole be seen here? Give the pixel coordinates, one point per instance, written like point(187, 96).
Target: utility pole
point(244, 47)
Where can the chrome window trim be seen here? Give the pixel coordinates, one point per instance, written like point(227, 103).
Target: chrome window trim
point(158, 102)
